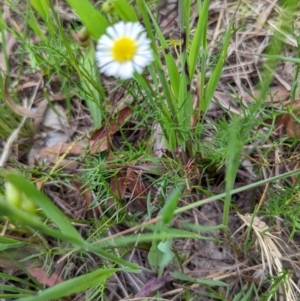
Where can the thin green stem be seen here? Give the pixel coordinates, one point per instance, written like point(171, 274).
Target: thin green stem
point(237, 190)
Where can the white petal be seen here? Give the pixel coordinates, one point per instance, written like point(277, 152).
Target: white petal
point(147, 55)
point(140, 60)
point(144, 52)
point(114, 69)
point(103, 51)
point(138, 69)
point(105, 41)
point(119, 29)
point(104, 60)
point(126, 70)
point(102, 48)
point(137, 29)
point(147, 52)
point(151, 58)
point(143, 47)
point(142, 39)
point(129, 28)
point(106, 69)
point(111, 32)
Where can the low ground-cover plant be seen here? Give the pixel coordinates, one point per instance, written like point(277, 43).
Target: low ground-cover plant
point(154, 154)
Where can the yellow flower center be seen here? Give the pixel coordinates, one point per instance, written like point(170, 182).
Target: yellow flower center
point(124, 49)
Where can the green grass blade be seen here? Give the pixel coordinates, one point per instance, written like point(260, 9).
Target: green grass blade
point(15, 279)
point(50, 210)
point(13, 289)
point(42, 7)
point(12, 296)
point(166, 119)
point(144, 12)
point(110, 256)
point(170, 61)
point(88, 66)
point(281, 57)
point(160, 234)
point(187, 18)
point(33, 222)
point(199, 40)
point(173, 72)
point(9, 243)
point(182, 98)
point(275, 47)
point(201, 228)
point(209, 282)
point(235, 148)
point(73, 286)
point(168, 108)
point(237, 190)
point(216, 74)
point(35, 26)
point(185, 106)
point(145, 85)
point(125, 11)
point(94, 21)
point(169, 96)
point(167, 211)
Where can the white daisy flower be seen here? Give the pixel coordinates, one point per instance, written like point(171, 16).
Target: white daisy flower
point(123, 50)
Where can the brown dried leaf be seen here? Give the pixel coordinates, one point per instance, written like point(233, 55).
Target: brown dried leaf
point(41, 276)
point(26, 85)
point(295, 166)
point(15, 107)
point(53, 159)
point(10, 258)
point(113, 125)
point(153, 285)
point(86, 194)
point(98, 142)
point(88, 197)
point(288, 122)
point(118, 185)
point(138, 189)
point(59, 96)
point(39, 184)
point(276, 95)
point(40, 113)
point(75, 148)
